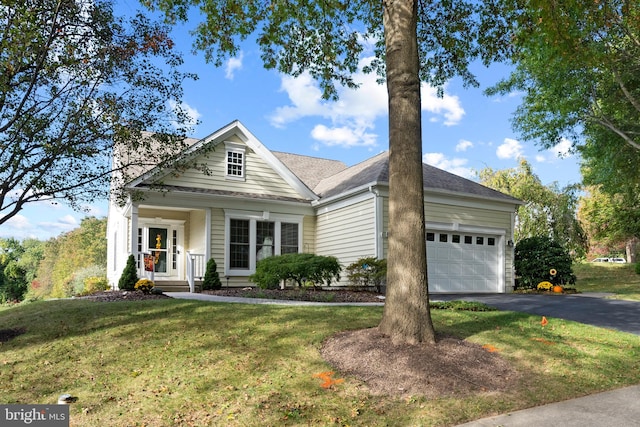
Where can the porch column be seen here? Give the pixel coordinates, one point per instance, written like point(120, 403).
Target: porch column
point(207, 236)
point(133, 233)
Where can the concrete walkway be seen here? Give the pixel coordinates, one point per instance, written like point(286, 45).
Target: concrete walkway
point(616, 408)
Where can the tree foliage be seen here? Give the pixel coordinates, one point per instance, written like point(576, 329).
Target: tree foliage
point(576, 63)
point(76, 80)
point(69, 253)
point(18, 265)
point(611, 220)
point(547, 210)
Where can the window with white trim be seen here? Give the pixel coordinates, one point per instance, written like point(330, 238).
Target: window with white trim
point(235, 160)
point(251, 237)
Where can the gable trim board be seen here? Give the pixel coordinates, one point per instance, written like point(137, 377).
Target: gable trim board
point(339, 211)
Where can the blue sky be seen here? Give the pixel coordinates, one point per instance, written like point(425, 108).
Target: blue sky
point(463, 132)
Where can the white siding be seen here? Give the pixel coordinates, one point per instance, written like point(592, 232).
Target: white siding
point(260, 178)
point(347, 233)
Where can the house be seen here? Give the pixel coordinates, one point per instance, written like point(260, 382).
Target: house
point(255, 203)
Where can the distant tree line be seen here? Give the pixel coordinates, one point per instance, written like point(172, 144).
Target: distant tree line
point(56, 268)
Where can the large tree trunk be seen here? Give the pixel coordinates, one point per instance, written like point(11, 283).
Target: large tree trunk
point(406, 315)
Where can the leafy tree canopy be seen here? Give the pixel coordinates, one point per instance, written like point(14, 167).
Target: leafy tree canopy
point(610, 219)
point(547, 210)
point(76, 80)
point(576, 63)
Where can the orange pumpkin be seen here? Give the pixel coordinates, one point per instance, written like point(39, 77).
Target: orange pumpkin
point(557, 289)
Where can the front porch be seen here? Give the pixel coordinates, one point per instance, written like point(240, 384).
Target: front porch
point(195, 269)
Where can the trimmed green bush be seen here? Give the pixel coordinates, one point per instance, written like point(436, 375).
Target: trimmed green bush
point(211, 277)
point(536, 257)
point(367, 272)
point(129, 275)
point(301, 268)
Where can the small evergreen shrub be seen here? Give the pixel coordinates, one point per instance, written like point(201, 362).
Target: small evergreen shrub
point(368, 272)
point(536, 257)
point(301, 268)
point(637, 267)
point(144, 285)
point(129, 275)
point(211, 277)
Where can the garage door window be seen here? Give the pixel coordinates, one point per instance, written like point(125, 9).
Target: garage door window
point(443, 238)
point(479, 240)
point(455, 238)
point(431, 237)
point(468, 240)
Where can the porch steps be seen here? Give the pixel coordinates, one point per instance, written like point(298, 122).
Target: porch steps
point(177, 285)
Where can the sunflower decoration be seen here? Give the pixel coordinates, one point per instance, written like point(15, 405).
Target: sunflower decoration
point(553, 272)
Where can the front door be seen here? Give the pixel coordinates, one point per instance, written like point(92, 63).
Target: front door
point(158, 246)
point(163, 245)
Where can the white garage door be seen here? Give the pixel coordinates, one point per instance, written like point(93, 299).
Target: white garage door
point(463, 262)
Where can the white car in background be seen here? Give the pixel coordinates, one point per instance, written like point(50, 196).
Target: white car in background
point(614, 260)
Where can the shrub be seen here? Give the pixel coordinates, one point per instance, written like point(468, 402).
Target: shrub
point(637, 267)
point(144, 285)
point(301, 268)
point(129, 275)
point(211, 277)
point(367, 272)
point(95, 284)
point(535, 257)
point(80, 277)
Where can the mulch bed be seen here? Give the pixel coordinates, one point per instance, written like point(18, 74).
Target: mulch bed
point(316, 295)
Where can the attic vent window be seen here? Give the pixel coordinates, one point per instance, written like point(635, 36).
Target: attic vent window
point(235, 161)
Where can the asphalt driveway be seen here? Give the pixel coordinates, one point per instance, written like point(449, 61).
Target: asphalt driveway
point(592, 309)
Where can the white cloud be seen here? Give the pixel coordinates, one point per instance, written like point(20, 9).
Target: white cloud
point(193, 113)
point(540, 158)
point(352, 118)
point(18, 222)
point(447, 105)
point(509, 149)
point(455, 165)
point(463, 145)
point(343, 136)
point(232, 65)
point(563, 148)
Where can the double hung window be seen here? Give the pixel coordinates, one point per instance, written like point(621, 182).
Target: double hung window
point(251, 237)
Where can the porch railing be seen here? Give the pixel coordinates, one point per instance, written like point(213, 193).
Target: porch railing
point(196, 266)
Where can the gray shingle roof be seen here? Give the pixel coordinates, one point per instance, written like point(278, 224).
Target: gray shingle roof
point(310, 170)
point(375, 171)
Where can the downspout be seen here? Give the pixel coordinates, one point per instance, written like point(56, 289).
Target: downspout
point(378, 222)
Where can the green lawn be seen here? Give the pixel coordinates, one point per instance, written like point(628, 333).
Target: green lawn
point(619, 279)
point(177, 362)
